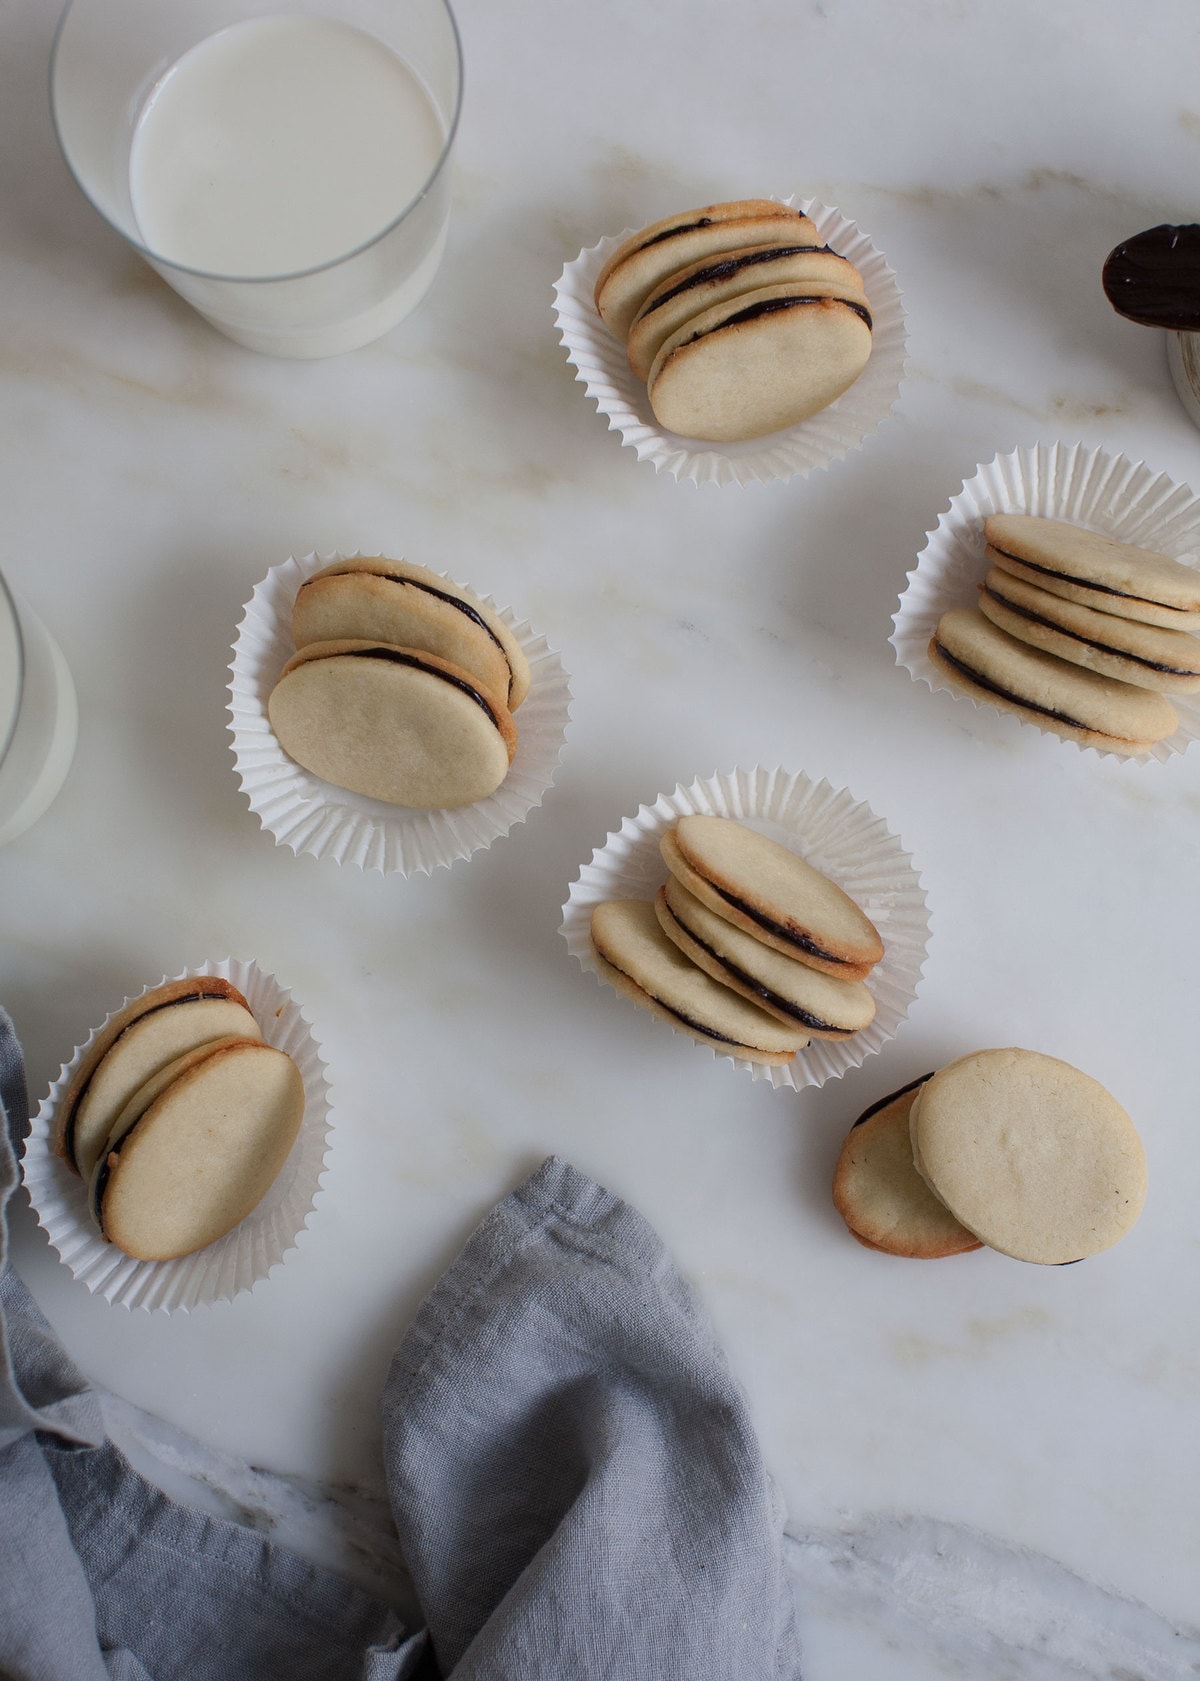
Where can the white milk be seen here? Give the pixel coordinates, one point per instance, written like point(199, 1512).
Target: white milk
point(280, 145)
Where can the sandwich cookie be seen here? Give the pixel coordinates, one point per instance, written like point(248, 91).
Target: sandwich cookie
point(881, 1196)
point(976, 656)
point(142, 1038)
point(1034, 1157)
point(1147, 656)
point(198, 1151)
point(396, 724)
point(409, 606)
point(822, 1005)
point(772, 894)
point(759, 362)
point(637, 959)
point(1095, 571)
point(696, 288)
point(646, 258)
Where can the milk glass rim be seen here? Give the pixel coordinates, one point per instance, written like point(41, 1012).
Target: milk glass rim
point(7, 601)
point(153, 256)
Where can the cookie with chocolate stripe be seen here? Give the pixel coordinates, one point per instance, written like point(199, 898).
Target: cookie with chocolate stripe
point(1032, 1155)
point(1095, 570)
point(1147, 656)
point(825, 1006)
point(636, 958)
point(759, 362)
point(197, 1150)
point(771, 893)
point(688, 293)
point(646, 258)
point(976, 656)
point(396, 724)
point(139, 1040)
point(408, 606)
point(879, 1193)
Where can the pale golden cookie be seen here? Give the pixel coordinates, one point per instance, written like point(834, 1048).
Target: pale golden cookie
point(1095, 570)
point(408, 606)
point(395, 724)
point(773, 894)
point(881, 1196)
point(636, 958)
point(1033, 1156)
point(145, 1036)
point(202, 1153)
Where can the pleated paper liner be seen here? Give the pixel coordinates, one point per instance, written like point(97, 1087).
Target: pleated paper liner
point(244, 1256)
point(1107, 493)
point(831, 830)
point(608, 380)
point(309, 815)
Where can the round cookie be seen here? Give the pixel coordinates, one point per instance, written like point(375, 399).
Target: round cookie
point(1033, 1156)
point(771, 893)
point(1147, 656)
point(145, 1036)
point(683, 296)
point(201, 1153)
point(825, 1006)
point(636, 958)
point(759, 362)
point(977, 656)
point(1095, 570)
point(881, 1196)
point(395, 724)
point(393, 601)
point(646, 258)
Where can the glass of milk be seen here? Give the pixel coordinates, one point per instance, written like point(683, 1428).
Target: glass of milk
point(38, 717)
point(287, 171)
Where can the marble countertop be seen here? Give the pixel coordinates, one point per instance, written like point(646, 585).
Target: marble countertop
point(991, 1469)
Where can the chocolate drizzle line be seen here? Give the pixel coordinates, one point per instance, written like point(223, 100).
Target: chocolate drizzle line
point(805, 1017)
point(733, 265)
point(983, 682)
point(773, 927)
point(1086, 583)
point(669, 233)
point(167, 1003)
point(396, 657)
point(891, 1097)
point(1088, 642)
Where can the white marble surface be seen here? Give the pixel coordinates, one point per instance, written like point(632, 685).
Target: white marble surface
point(991, 1469)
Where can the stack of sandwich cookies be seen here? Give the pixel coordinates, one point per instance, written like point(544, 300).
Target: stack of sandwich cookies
point(740, 321)
point(402, 688)
point(879, 1193)
point(179, 1117)
point(1085, 634)
point(1005, 1148)
point(746, 946)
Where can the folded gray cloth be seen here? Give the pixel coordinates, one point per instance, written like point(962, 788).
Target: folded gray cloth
point(575, 1482)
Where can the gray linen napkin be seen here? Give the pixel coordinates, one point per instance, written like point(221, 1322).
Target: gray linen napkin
point(574, 1479)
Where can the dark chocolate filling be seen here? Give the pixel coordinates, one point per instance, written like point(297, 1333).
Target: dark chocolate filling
point(1088, 642)
point(805, 1017)
point(891, 1098)
point(398, 658)
point(453, 600)
point(1086, 583)
point(99, 1186)
point(733, 265)
point(770, 306)
point(669, 233)
point(983, 682)
point(788, 934)
point(69, 1127)
point(1154, 278)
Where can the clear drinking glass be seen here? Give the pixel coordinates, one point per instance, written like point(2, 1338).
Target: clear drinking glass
point(118, 64)
point(38, 717)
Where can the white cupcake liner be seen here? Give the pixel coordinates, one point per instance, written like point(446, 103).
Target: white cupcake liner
point(1107, 493)
point(244, 1256)
point(835, 833)
point(617, 392)
point(310, 815)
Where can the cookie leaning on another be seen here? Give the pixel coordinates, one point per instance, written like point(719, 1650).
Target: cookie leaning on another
point(1095, 570)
